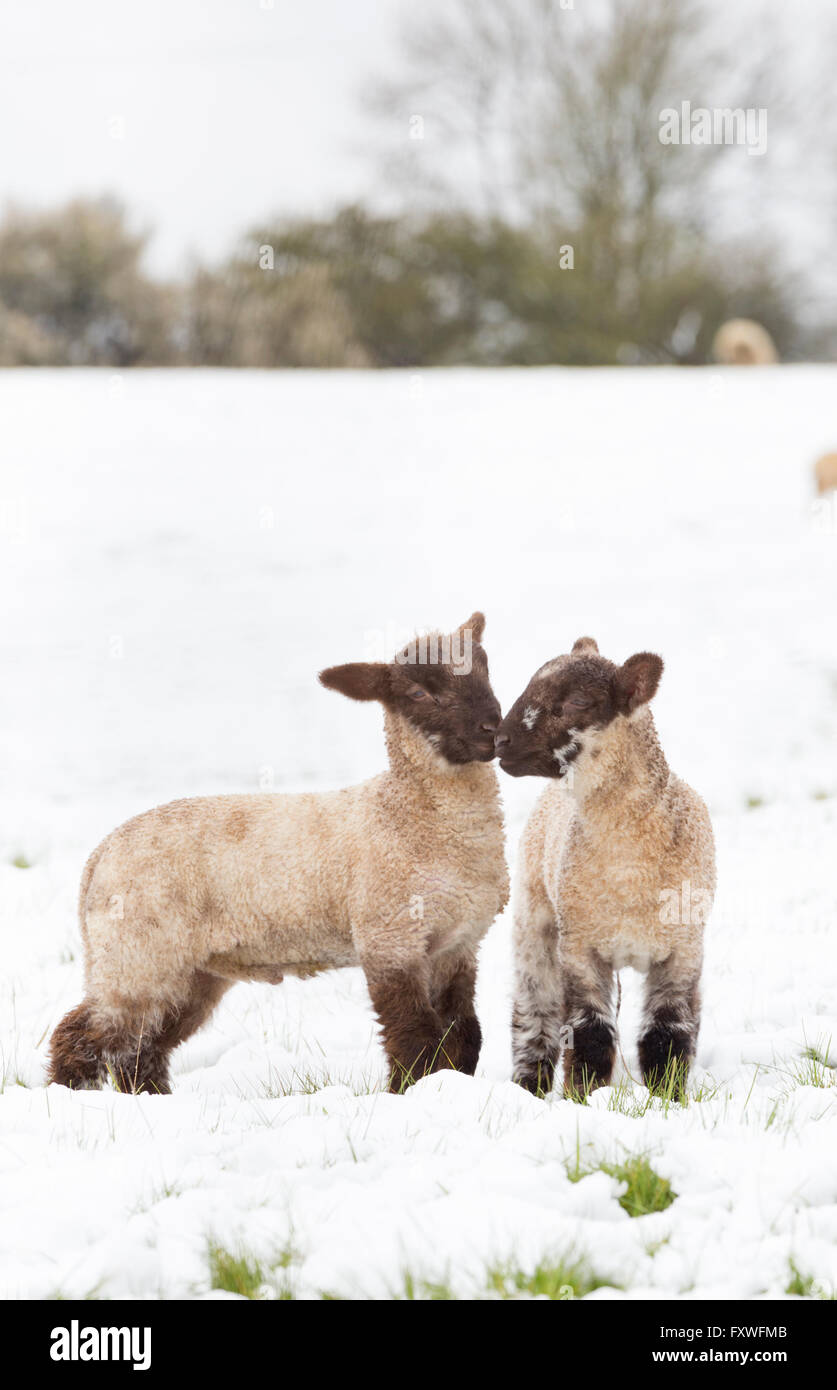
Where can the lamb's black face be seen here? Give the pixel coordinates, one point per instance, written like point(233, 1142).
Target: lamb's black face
point(455, 709)
point(440, 685)
point(566, 703)
point(544, 731)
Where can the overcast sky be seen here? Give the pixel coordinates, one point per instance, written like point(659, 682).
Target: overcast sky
point(204, 115)
point(230, 110)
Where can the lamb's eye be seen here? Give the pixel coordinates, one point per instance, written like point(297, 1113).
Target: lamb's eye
point(577, 702)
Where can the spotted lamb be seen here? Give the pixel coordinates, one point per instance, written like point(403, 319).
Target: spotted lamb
point(402, 875)
point(617, 868)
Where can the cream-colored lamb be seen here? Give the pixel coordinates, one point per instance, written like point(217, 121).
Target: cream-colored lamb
point(744, 343)
point(617, 868)
point(402, 875)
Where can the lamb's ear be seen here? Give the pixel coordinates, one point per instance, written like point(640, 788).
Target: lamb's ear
point(586, 644)
point(475, 625)
point(360, 680)
point(638, 680)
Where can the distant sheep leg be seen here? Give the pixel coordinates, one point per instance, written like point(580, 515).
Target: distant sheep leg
point(670, 1023)
point(411, 1029)
point(452, 992)
point(588, 1018)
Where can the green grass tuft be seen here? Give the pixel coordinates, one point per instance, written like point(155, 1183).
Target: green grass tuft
point(242, 1273)
point(235, 1271)
point(577, 1170)
point(819, 1052)
point(673, 1089)
point(813, 1066)
point(671, 1086)
point(645, 1190)
point(424, 1290)
point(280, 1086)
point(801, 1285)
point(21, 862)
point(560, 1280)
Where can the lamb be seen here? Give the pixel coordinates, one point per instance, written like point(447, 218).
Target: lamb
point(744, 343)
point(617, 868)
point(402, 875)
point(825, 473)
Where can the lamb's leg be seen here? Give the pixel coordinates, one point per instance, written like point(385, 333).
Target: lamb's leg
point(453, 984)
point(90, 1044)
point(412, 1031)
point(587, 1015)
point(536, 1012)
point(670, 1023)
point(132, 1048)
point(205, 994)
point(138, 1061)
point(142, 1060)
point(75, 1051)
point(147, 1064)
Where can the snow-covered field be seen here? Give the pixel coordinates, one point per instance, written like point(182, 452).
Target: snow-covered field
point(181, 553)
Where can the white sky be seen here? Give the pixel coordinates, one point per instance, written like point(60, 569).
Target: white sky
point(230, 110)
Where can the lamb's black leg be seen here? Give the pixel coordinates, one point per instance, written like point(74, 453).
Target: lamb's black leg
point(411, 1030)
point(670, 1024)
point(590, 1027)
point(452, 993)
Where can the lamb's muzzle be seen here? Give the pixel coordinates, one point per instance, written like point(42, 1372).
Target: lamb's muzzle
point(616, 868)
point(402, 875)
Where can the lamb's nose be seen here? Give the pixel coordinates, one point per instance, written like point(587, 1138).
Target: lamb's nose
point(488, 728)
point(501, 740)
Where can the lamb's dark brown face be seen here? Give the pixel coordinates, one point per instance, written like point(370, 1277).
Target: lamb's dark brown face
point(455, 709)
point(566, 703)
point(440, 684)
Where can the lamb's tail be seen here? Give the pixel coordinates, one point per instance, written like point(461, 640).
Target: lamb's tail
point(75, 1048)
point(86, 877)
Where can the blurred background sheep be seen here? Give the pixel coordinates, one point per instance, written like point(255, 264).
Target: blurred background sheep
point(825, 473)
point(744, 343)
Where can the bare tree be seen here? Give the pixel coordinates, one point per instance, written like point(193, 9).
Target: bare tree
point(550, 112)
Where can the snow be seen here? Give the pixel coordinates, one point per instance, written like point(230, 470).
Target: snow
point(181, 553)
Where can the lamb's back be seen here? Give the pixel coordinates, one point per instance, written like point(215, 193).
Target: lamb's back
point(204, 873)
